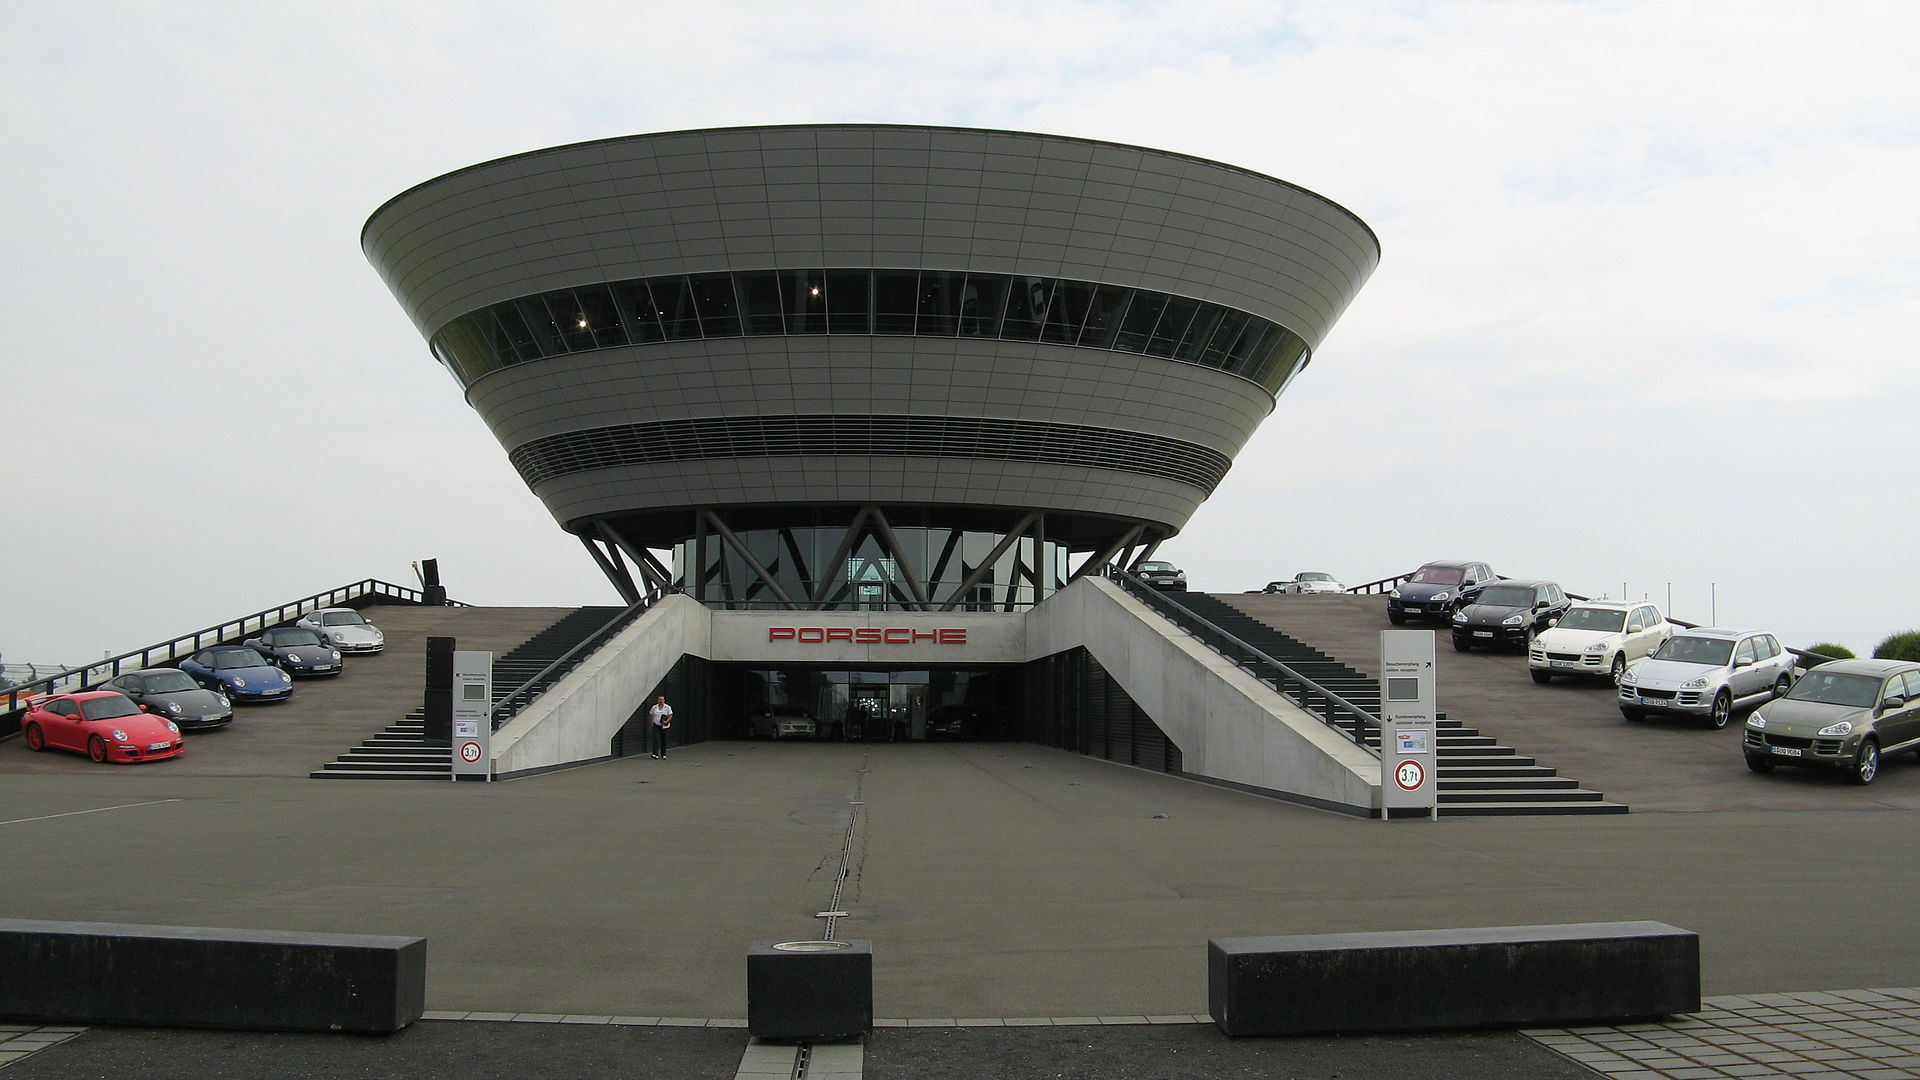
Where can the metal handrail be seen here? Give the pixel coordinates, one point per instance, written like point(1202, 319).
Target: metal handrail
point(13, 698)
point(1380, 586)
point(506, 708)
point(1362, 718)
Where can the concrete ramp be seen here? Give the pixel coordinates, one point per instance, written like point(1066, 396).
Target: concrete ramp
point(1231, 728)
point(574, 722)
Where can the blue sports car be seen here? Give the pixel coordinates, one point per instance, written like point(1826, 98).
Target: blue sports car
point(242, 673)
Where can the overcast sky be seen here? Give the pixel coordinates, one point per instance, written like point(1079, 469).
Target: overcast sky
point(1644, 314)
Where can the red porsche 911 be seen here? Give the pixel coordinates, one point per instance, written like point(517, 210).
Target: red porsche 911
point(102, 724)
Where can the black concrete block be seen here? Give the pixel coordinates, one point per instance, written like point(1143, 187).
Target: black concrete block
point(807, 990)
point(1497, 976)
point(190, 976)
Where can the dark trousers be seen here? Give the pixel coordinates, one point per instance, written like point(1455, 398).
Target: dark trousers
point(657, 740)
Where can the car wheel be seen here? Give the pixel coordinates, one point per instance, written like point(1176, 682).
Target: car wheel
point(1619, 668)
point(96, 748)
point(1722, 710)
point(36, 739)
point(1462, 645)
point(1541, 677)
point(1781, 686)
point(1396, 618)
point(1633, 714)
point(1759, 764)
point(1866, 763)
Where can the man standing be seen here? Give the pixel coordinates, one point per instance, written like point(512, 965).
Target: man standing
point(659, 719)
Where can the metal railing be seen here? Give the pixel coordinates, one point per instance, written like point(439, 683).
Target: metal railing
point(522, 696)
point(14, 698)
point(1335, 711)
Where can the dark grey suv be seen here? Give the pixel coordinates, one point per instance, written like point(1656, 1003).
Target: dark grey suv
point(1846, 715)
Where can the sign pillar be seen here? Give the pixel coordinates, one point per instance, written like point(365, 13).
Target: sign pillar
point(1409, 737)
point(472, 715)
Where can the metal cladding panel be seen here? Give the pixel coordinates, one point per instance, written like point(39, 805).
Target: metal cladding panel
point(866, 196)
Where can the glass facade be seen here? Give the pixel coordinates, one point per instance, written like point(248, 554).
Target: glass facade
point(912, 303)
point(871, 705)
point(869, 577)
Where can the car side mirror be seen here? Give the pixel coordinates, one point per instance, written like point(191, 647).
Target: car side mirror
point(1748, 662)
point(1893, 701)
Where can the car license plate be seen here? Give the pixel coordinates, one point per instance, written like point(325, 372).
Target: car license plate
point(1559, 663)
point(158, 745)
point(1483, 633)
point(1786, 751)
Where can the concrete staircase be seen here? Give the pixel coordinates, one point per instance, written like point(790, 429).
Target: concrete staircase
point(399, 752)
point(1477, 776)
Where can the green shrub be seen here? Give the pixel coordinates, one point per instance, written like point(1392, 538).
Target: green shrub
point(1829, 650)
point(1903, 646)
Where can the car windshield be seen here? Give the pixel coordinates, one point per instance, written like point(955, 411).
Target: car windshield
point(108, 708)
point(172, 682)
point(237, 660)
point(1593, 618)
point(286, 638)
point(1696, 650)
point(1311, 576)
point(1152, 567)
point(342, 618)
point(1437, 575)
point(1859, 691)
point(1504, 596)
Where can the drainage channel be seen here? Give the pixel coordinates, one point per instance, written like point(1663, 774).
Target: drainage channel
point(846, 1059)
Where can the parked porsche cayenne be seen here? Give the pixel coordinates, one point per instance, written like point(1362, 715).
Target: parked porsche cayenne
point(1846, 715)
point(172, 694)
point(1706, 674)
point(1508, 613)
point(1434, 590)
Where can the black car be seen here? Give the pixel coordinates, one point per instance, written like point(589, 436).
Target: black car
point(1508, 613)
point(173, 695)
point(1162, 575)
point(1434, 590)
point(297, 650)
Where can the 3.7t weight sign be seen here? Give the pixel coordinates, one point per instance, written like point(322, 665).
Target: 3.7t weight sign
point(1409, 742)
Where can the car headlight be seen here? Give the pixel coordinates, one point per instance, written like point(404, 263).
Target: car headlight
point(1395, 594)
point(119, 736)
point(1459, 616)
point(240, 682)
point(173, 707)
point(1627, 678)
point(336, 654)
point(1756, 721)
point(1440, 596)
point(173, 727)
point(1600, 646)
point(1844, 727)
point(1696, 684)
point(224, 703)
point(1513, 620)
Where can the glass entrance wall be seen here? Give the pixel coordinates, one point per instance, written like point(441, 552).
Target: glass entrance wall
point(851, 705)
point(870, 577)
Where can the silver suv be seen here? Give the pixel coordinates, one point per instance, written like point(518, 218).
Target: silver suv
point(1706, 674)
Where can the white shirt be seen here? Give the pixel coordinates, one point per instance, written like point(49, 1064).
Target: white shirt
point(660, 714)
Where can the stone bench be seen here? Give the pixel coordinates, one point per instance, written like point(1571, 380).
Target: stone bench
point(189, 976)
point(1497, 976)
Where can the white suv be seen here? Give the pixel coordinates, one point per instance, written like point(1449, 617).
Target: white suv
point(1598, 638)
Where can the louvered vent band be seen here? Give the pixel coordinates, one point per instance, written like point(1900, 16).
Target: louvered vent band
point(712, 438)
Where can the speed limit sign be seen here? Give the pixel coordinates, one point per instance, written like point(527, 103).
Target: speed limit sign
point(469, 752)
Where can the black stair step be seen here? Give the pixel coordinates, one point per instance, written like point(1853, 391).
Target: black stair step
point(391, 766)
point(374, 774)
point(1481, 772)
point(1499, 781)
point(1532, 809)
point(1490, 795)
point(1484, 761)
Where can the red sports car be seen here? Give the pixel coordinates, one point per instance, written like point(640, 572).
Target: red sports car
point(102, 724)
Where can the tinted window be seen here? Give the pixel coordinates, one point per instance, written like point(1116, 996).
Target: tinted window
point(803, 295)
point(108, 708)
point(1695, 650)
point(173, 682)
point(760, 302)
point(1512, 596)
point(939, 307)
point(1599, 619)
point(1836, 689)
point(1744, 652)
point(895, 300)
point(237, 660)
point(1026, 308)
point(713, 298)
point(849, 308)
point(982, 305)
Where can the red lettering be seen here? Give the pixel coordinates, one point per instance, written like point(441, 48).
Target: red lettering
point(840, 633)
point(897, 635)
point(812, 635)
point(926, 635)
point(956, 635)
point(867, 635)
point(779, 633)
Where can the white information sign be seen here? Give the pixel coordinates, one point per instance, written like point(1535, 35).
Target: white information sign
point(1409, 743)
point(472, 714)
